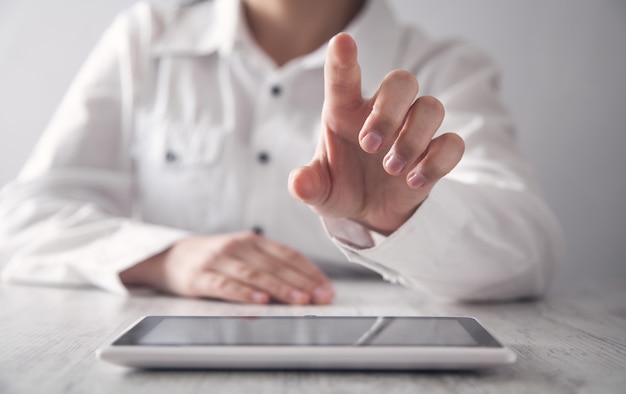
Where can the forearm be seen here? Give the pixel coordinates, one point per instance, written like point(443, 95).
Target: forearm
point(52, 240)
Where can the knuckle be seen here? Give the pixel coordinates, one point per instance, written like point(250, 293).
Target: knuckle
point(248, 236)
point(340, 76)
point(403, 78)
point(382, 121)
point(236, 242)
point(289, 253)
point(411, 147)
point(458, 143)
point(249, 274)
point(238, 239)
point(225, 250)
point(293, 255)
point(432, 171)
point(431, 106)
point(211, 256)
point(219, 283)
point(304, 283)
point(453, 144)
point(438, 170)
point(445, 157)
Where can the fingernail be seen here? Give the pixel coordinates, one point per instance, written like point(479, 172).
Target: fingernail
point(260, 298)
point(297, 297)
point(395, 164)
point(323, 294)
point(371, 142)
point(416, 180)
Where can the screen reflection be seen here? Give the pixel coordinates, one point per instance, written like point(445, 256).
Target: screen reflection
point(307, 331)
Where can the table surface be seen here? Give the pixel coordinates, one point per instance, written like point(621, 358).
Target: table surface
point(572, 341)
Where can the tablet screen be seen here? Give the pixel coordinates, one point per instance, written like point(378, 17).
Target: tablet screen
point(307, 331)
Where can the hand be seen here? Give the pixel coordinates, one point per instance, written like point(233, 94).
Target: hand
point(242, 267)
point(376, 161)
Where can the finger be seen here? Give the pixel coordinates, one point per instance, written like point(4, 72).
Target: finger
point(342, 74)
point(423, 120)
point(212, 284)
point(292, 258)
point(299, 271)
point(319, 292)
point(442, 155)
point(281, 270)
point(260, 259)
point(391, 103)
point(253, 276)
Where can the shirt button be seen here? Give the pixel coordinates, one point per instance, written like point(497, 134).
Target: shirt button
point(170, 156)
point(263, 157)
point(258, 230)
point(276, 90)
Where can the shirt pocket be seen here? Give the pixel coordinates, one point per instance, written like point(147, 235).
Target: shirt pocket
point(181, 175)
point(189, 146)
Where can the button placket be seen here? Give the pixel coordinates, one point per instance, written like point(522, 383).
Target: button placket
point(171, 157)
point(263, 157)
point(269, 108)
point(276, 90)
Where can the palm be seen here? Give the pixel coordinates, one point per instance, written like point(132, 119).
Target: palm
point(359, 188)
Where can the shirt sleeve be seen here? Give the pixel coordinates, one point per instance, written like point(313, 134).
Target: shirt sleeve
point(67, 219)
point(484, 233)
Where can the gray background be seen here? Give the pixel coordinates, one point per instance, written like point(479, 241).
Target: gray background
point(563, 62)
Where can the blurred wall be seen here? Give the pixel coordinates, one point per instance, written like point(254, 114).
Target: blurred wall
point(564, 78)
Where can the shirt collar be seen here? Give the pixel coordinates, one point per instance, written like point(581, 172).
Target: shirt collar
point(200, 29)
point(217, 26)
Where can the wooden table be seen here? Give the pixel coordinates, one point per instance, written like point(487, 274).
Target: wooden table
point(573, 341)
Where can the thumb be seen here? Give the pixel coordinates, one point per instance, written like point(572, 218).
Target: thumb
point(309, 184)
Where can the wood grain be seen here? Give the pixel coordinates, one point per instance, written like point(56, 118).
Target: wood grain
point(574, 341)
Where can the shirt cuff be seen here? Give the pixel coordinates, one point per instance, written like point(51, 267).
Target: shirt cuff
point(116, 244)
point(412, 250)
point(131, 244)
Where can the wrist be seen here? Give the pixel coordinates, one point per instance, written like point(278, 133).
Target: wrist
point(387, 224)
point(144, 273)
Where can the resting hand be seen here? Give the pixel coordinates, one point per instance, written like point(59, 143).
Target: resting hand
point(241, 267)
point(376, 161)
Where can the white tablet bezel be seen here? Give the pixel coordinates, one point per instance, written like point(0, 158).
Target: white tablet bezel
point(306, 357)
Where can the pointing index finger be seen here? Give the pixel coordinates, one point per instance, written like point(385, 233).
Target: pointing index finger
point(342, 74)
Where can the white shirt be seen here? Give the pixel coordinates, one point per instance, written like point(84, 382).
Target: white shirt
point(178, 123)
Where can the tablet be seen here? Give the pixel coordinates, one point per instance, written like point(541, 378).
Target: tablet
point(307, 342)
